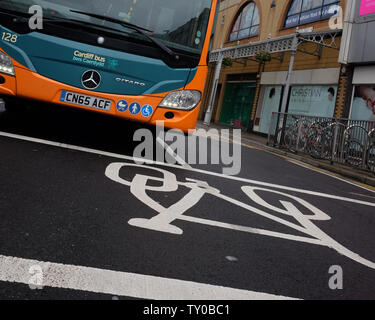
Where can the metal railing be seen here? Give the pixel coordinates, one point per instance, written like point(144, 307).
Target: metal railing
point(344, 141)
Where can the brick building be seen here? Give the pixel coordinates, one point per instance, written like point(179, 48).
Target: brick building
point(275, 55)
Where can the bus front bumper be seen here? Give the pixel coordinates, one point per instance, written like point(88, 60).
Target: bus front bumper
point(30, 85)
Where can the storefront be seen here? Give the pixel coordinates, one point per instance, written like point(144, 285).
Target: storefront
point(271, 97)
point(289, 44)
point(313, 100)
point(313, 93)
point(237, 104)
point(363, 102)
point(238, 100)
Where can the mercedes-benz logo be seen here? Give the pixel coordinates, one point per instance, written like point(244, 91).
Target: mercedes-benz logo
point(91, 79)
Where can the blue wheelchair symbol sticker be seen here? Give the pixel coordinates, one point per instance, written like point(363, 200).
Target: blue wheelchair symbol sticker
point(122, 105)
point(147, 110)
point(135, 108)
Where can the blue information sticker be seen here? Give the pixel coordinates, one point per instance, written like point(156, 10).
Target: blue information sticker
point(147, 110)
point(63, 95)
point(135, 108)
point(122, 105)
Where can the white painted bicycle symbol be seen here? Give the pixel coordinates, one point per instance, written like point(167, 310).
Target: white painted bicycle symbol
point(198, 189)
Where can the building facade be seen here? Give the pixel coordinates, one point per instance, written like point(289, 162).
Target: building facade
point(275, 55)
point(358, 58)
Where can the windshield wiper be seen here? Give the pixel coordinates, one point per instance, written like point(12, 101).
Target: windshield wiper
point(129, 25)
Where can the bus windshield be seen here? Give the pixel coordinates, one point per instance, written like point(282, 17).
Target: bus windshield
point(178, 24)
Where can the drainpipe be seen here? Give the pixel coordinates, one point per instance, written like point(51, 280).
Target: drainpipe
point(208, 116)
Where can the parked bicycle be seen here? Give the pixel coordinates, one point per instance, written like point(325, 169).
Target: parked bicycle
point(344, 141)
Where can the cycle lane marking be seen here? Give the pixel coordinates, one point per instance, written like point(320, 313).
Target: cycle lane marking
point(62, 276)
point(165, 216)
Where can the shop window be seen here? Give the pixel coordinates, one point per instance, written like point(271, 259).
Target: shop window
point(308, 11)
point(270, 102)
point(316, 101)
point(247, 23)
point(363, 107)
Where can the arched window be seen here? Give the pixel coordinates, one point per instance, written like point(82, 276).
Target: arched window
point(307, 11)
point(247, 23)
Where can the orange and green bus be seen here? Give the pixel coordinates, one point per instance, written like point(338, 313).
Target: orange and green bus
point(142, 60)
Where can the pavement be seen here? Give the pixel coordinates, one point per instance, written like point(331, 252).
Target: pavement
point(81, 219)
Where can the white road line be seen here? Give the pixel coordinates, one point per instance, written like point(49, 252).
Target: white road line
point(362, 195)
point(16, 270)
point(257, 231)
point(172, 153)
point(210, 173)
point(327, 174)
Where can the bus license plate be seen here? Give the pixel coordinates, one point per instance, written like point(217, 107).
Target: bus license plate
point(86, 101)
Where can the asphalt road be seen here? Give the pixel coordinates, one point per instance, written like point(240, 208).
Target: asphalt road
point(71, 198)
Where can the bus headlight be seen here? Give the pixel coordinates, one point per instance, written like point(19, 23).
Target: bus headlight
point(182, 100)
point(6, 65)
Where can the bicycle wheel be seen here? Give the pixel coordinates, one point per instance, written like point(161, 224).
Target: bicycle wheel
point(354, 153)
point(290, 140)
point(313, 145)
point(324, 147)
point(302, 144)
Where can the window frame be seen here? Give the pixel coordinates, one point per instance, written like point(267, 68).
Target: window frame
point(321, 17)
point(239, 15)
